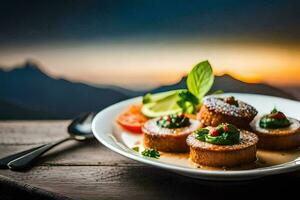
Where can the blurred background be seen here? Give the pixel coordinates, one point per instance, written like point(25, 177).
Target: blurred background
point(61, 58)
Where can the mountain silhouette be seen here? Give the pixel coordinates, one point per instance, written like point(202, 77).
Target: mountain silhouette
point(27, 92)
point(15, 112)
point(227, 83)
point(30, 88)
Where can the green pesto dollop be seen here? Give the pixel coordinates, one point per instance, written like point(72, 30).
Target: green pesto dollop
point(173, 121)
point(274, 120)
point(224, 134)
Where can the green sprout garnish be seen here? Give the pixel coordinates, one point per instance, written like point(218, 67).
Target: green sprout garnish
point(152, 153)
point(173, 121)
point(137, 149)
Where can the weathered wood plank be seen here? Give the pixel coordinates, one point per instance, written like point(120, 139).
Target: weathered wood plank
point(91, 182)
point(20, 135)
point(74, 153)
point(100, 182)
point(32, 132)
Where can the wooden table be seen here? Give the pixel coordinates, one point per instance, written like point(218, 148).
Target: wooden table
point(91, 171)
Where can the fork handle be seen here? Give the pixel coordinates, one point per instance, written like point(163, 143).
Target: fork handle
point(26, 161)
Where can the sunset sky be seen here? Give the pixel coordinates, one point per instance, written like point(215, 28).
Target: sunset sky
point(146, 64)
point(130, 45)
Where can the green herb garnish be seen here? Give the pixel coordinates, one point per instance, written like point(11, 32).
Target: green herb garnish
point(201, 134)
point(199, 82)
point(173, 121)
point(152, 153)
point(188, 102)
point(137, 149)
point(224, 134)
point(274, 110)
point(200, 79)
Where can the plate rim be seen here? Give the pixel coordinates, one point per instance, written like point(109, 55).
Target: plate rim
point(276, 169)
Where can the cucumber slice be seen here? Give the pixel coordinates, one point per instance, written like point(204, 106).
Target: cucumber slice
point(150, 98)
point(164, 104)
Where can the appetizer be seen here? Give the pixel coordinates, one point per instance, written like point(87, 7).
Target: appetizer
point(277, 131)
point(216, 110)
point(222, 146)
point(212, 130)
point(169, 133)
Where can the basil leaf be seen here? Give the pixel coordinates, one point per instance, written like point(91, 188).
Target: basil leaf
point(200, 79)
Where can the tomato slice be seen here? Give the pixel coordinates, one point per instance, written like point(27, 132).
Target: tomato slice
point(132, 119)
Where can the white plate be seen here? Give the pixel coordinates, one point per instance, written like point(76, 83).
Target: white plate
point(109, 134)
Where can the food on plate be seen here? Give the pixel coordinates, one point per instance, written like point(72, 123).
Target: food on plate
point(136, 148)
point(199, 82)
point(169, 133)
point(151, 153)
point(222, 146)
point(161, 104)
point(212, 131)
point(217, 110)
point(277, 131)
point(132, 119)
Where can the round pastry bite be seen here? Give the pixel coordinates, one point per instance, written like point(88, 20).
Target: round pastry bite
point(276, 131)
point(222, 146)
point(169, 133)
point(216, 110)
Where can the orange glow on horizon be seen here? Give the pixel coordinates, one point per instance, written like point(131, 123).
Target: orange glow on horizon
point(249, 78)
point(154, 64)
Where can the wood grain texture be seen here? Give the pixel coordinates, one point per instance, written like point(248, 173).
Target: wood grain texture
point(18, 136)
point(73, 153)
point(90, 171)
point(137, 182)
point(32, 132)
point(11, 189)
